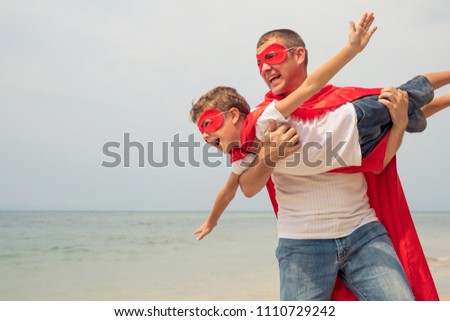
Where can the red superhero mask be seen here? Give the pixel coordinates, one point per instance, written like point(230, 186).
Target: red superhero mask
point(273, 55)
point(210, 120)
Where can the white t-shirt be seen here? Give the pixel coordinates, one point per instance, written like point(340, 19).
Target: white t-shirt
point(328, 142)
point(312, 203)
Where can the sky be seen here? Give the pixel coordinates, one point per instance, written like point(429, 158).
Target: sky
point(83, 83)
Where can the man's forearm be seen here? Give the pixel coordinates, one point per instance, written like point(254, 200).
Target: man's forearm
point(397, 103)
point(393, 144)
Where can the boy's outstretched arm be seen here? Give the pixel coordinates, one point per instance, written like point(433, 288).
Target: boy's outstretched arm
point(359, 36)
point(223, 198)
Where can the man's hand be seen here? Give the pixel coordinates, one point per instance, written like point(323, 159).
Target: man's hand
point(279, 143)
point(359, 35)
point(396, 101)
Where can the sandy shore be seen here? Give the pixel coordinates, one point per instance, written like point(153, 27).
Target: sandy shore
point(444, 297)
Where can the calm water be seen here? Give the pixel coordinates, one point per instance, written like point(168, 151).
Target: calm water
point(155, 256)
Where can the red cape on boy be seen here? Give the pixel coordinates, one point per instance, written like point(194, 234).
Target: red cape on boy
point(384, 190)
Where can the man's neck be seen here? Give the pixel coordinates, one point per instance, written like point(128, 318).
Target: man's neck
point(295, 83)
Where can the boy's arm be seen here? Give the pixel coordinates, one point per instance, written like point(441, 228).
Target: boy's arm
point(397, 102)
point(278, 143)
point(223, 198)
point(359, 36)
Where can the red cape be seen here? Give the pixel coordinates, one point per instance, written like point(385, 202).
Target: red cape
point(384, 190)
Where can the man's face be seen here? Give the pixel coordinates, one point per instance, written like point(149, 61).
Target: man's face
point(284, 77)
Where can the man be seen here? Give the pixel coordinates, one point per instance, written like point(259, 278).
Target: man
point(327, 225)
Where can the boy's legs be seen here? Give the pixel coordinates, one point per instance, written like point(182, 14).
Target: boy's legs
point(374, 120)
point(371, 268)
point(420, 92)
point(308, 269)
point(417, 88)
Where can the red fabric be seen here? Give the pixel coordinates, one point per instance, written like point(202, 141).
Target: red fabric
point(248, 134)
point(385, 194)
point(329, 98)
point(210, 120)
point(273, 55)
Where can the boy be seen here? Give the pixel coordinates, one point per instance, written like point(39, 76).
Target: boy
point(226, 132)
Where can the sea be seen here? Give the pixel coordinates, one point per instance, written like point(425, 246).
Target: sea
point(154, 256)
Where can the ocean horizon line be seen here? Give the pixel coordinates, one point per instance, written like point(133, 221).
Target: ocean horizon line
point(172, 211)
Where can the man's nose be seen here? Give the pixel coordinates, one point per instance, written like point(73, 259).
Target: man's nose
point(265, 67)
point(205, 136)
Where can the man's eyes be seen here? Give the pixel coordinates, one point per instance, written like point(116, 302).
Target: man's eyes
point(270, 55)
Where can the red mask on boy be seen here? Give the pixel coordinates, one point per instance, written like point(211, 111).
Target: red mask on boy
point(210, 120)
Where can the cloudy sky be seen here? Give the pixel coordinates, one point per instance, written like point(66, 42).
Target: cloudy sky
point(76, 75)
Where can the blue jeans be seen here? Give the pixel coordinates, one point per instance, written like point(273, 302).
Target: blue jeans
point(374, 120)
point(365, 260)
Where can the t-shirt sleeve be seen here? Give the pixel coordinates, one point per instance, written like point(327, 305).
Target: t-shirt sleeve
point(263, 122)
point(240, 165)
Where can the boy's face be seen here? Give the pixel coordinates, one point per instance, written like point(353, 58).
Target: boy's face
point(283, 77)
point(228, 134)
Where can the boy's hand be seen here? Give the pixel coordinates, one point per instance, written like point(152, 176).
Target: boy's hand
point(204, 230)
point(359, 35)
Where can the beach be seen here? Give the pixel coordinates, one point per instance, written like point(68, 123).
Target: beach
point(155, 257)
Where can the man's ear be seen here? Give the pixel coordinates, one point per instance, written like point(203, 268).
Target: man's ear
point(235, 114)
point(300, 54)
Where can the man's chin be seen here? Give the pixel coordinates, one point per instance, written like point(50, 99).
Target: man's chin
point(276, 89)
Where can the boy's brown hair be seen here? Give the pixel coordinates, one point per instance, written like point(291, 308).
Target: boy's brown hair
point(221, 98)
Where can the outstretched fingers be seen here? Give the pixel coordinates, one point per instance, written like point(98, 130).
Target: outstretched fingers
point(361, 33)
point(352, 26)
point(365, 22)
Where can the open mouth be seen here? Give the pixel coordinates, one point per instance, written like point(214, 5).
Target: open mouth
point(273, 78)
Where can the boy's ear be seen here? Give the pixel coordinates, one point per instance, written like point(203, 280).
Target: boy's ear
point(235, 114)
